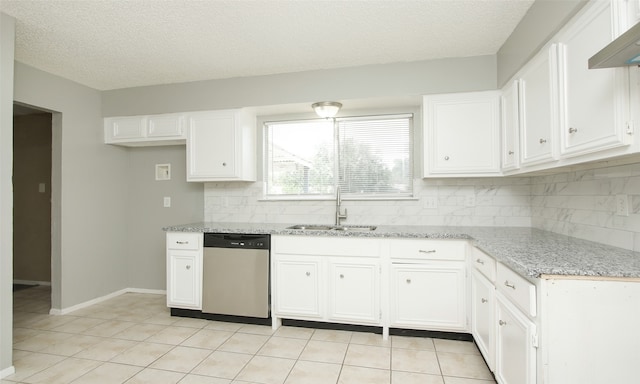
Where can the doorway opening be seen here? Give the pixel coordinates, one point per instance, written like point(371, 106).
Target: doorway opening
point(34, 215)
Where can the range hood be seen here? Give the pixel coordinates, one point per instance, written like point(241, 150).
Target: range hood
point(621, 52)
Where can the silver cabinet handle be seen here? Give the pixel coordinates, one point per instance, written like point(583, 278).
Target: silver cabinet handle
point(511, 152)
point(446, 157)
point(480, 261)
point(573, 130)
point(510, 285)
point(484, 300)
point(188, 267)
point(224, 164)
point(502, 322)
point(408, 281)
point(341, 276)
point(182, 242)
point(308, 273)
point(429, 251)
point(542, 141)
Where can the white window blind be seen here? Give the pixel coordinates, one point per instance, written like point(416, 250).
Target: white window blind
point(367, 157)
point(375, 156)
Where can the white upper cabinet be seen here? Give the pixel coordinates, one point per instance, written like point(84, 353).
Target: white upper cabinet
point(594, 104)
point(462, 134)
point(538, 108)
point(221, 146)
point(137, 131)
point(510, 126)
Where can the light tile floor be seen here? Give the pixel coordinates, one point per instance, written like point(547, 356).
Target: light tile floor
point(133, 339)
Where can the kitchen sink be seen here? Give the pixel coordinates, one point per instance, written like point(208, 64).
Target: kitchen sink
point(359, 228)
point(314, 227)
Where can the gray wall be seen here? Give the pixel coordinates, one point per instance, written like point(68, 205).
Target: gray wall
point(146, 263)
point(91, 177)
point(7, 34)
point(542, 21)
point(390, 80)
point(31, 207)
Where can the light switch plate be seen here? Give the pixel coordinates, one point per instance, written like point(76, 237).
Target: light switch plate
point(166, 202)
point(430, 202)
point(622, 205)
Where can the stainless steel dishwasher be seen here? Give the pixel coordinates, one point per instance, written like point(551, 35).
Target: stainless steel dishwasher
point(236, 274)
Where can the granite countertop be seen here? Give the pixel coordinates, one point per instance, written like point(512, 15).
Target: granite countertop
point(528, 251)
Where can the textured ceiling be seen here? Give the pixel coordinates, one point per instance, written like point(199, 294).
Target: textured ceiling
point(110, 44)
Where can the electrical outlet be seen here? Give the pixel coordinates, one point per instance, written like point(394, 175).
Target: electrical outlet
point(470, 201)
point(622, 205)
point(430, 202)
point(167, 202)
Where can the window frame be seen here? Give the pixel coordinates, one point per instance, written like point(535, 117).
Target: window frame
point(409, 195)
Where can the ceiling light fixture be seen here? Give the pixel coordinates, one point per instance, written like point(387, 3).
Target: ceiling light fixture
point(326, 109)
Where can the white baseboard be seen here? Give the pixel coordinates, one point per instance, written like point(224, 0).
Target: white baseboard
point(31, 282)
point(7, 372)
point(97, 300)
point(149, 291)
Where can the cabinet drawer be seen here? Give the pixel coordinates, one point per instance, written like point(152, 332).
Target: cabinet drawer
point(485, 264)
point(184, 240)
point(521, 292)
point(326, 246)
point(427, 249)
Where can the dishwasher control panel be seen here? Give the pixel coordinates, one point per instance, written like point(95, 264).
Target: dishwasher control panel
point(234, 240)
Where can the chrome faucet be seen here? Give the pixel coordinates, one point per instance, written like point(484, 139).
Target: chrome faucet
point(339, 216)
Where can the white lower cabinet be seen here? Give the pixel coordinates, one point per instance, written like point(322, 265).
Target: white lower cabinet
point(354, 287)
point(516, 342)
point(483, 307)
point(184, 270)
point(403, 283)
point(428, 296)
point(325, 279)
point(297, 286)
point(428, 284)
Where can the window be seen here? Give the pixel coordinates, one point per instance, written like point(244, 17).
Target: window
point(368, 157)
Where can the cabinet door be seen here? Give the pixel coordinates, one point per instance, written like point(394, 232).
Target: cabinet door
point(118, 129)
point(515, 345)
point(428, 296)
point(594, 103)
point(212, 144)
point(163, 126)
point(510, 126)
point(538, 111)
point(462, 134)
point(297, 287)
point(354, 291)
point(482, 315)
point(184, 280)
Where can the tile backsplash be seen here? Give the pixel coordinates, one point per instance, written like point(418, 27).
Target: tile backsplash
point(459, 202)
point(583, 204)
point(579, 204)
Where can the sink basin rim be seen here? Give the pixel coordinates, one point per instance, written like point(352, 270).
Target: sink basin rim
point(312, 227)
point(323, 227)
point(355, 228)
